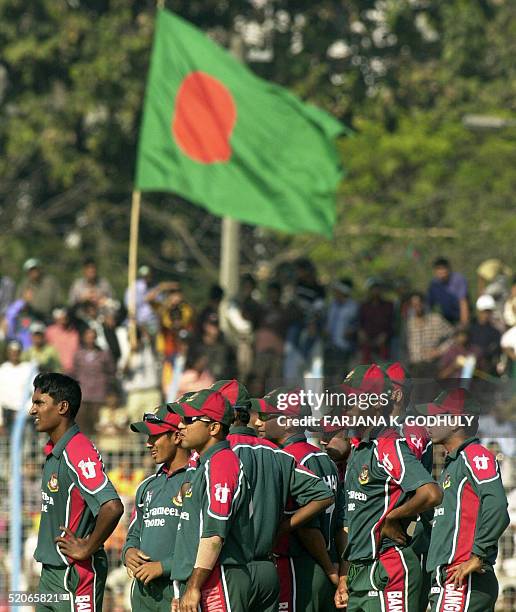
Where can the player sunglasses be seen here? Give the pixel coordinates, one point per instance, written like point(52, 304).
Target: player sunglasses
point(188, 420)
point(266, 416)
point(150, 417)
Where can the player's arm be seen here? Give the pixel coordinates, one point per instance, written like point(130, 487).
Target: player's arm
point(132, 556)
point(82, 548)
point(314, 542)
point(341, 594)
point(492, 521)
point(399, 463)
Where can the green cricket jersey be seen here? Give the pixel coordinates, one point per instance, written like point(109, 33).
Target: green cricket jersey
point(217, 503)
point(329, 522)
point(73, 488)
point(155, 518)
point(273, 477)
point(473, 514)
point(380, 475)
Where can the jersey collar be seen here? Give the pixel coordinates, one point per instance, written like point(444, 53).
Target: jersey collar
point(164, 470)
point(214, 449)
point(57, 449)
point(243, 430)
point(454, 454)
point(299, 437)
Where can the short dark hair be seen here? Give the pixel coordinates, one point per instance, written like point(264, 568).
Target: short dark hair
point(441, 262)
point(61, 388)
point(216, 292)
point(89, 261)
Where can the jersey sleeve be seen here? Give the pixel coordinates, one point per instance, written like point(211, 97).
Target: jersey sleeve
point(87, 472)
point(135, 525)
point(304, 485)
point(223, 494)
point(493, 517)
point(395, 458)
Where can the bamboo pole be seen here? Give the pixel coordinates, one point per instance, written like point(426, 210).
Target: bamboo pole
point(133, 263)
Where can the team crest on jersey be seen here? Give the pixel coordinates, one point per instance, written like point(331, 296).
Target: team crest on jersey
point(363, 477)
point(53, 485)
point(188, 493)
point(447, 482)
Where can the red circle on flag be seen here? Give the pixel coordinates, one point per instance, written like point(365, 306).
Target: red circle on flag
point(204, 117)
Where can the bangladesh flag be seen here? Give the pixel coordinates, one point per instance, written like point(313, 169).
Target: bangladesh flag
point(235, 144)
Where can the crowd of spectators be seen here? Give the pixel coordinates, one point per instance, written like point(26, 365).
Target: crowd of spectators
point(265, 336)
point(271, 333)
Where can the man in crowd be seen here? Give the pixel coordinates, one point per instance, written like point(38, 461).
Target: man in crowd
point(448, 293)
point(91, 287)
point(150, 543)
point(485, 336)
point(209, 565)
point(306, 560)
point(79, 506)
point(386, 488)
point(275, 482)
point(472, 516)
point(45, 291)
point(376, 319)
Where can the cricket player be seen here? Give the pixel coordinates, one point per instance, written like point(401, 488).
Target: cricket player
point(419, 443)
point(151, 537)
point(386, 488)
point(306, 560)
point(472, 516)
point(274, 479)
point(79, 506)
point(215, 537)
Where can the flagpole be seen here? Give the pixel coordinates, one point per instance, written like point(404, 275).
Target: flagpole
point(230, 231)
point(133, 263)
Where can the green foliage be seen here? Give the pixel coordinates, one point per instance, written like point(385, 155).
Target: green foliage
point(72, 79)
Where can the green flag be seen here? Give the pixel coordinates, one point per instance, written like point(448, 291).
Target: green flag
point(235, 144)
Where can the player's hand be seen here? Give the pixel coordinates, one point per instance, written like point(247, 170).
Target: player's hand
point(134, 557)
point(341, 594)
point(190, 600)
point(72, 546)
point(463, 570)
point(392, 529)
point(174, 607)
point(149, 571)
point(333, 574)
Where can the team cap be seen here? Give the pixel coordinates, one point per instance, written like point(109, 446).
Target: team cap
point(159, 421)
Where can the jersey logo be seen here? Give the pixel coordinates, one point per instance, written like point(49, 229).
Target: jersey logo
point(481, 462)
point(222, 492)
point(363, 477)
point(447, 482)
point(53, 484)
point(177, 500)
point(416, 441)
point(387, 462)
point(87, 468)
point(188, 492)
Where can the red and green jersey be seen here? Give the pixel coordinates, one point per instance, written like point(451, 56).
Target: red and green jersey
point(155, 518)
point(217, 503)
point(73, 488)
point(273, 477)
point(329, 522)
point(473, 513)
point(381, 474)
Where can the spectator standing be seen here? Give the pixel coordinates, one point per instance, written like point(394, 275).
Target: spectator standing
point(64, 337)
point(141, 377)
point(94, 369)
point(45, 292)
point(44, 355)
point(448, 293)
point(196, 375)
point(451, 363)
point(221, 358)
point(341, 329)
point(428, 337)
point(485, 336)
point(15, 378)
point(375, 324)
point(145, 315)
point(19, 317)
point(90, 287)
point(215, 298)
point(269, 342)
